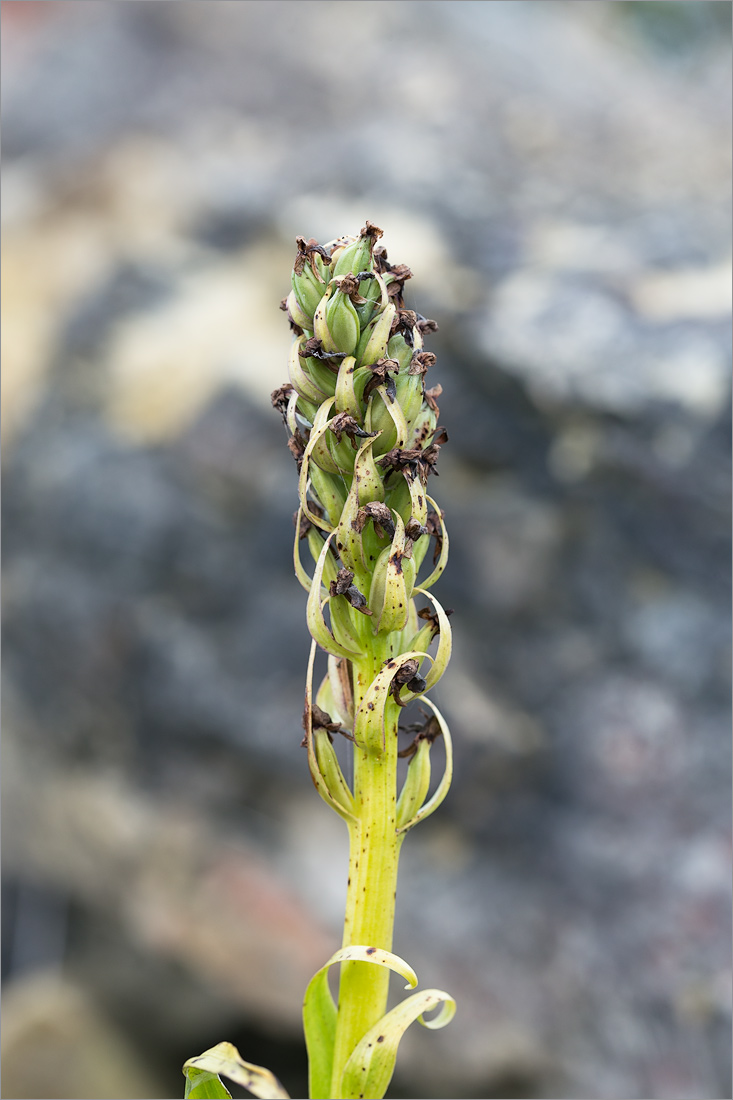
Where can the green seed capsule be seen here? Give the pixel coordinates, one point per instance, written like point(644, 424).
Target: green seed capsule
point(392, 583)
point(373, 342)
point(320, 327)
point(330, 770)
point(343, 323)
point(329, 488)
point(300, 379)
point(356, 255)
point(308, 291)
point(422, 427)
point(417, 784)
point(372, 546)
point(409, 394)
point(345, 630)
point(315, 545)
point(381, 421)
point(398, 497)
point(321, 374)
point(354, 258)
point(399, 349)
point(296, 314)
point(372, 291)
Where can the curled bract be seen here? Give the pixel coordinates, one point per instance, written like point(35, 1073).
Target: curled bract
point(369, 1069)
point(224, 1060)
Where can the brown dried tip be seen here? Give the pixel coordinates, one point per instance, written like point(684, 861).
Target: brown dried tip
point(430, 396)
point(344, 577)
point(381, 377)
point(281, 398)
point(380, 515)
point(406, 676)
point(420, 362)
point(304, 525)
point(320, 720)
point(405, 320)
point(399, 276)
point(432, 618)
point(430, 455)
point(296, 446)
point(412, 461)
point(307, 251)
point(435, 529)
point(301, 255)
point(373, 231)
point(343, 424)
point(349, 284)
point(313, 348)
point(426, 325)
point(379, 255)
point(428, 731)
point(342, 586)
point(400, 272)
point(415, 530)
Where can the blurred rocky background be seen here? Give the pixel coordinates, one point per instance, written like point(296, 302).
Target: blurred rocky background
point(557, 176)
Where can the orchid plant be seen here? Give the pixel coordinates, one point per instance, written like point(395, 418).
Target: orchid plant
point(363, 430)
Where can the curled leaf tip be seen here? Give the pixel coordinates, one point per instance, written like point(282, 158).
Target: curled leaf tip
point(225, 1060)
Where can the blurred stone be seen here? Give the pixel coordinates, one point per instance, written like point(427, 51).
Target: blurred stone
point(557, 176)
point(201, 897)
point(56, 1042)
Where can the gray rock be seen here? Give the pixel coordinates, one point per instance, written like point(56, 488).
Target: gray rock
point(555, 175)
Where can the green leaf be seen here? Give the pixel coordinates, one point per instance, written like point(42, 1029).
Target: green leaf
point(366, 485)
point(302, 384)
point(319, 1011)
point(396, 414)
point(319, 426)
point(369, 1070)
point(443, 787)
point(319, 1024)
point(443, 558)
point(418, 501)
point(346, 398)
point(314, 611)
point(329, 491)
point(313, 765)
point(225, 1059)
point(339, 676)
point(297, 563)
point(202, 1085)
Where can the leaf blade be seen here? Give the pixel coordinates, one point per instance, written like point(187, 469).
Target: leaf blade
point(202, 1085)
point(443, 787)
point(226, 1060)
point(369, 1070)
point(319, 1011)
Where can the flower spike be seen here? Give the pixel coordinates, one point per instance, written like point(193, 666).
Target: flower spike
point(364, 432)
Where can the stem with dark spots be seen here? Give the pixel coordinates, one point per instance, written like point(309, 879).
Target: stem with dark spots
point(372, 884)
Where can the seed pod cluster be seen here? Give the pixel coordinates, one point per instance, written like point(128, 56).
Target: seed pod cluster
point(364, 432)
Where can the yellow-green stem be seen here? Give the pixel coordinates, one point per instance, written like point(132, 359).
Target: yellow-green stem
point(372, 883)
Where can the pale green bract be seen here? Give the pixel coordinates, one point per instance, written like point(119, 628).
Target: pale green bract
point(202, 1075)
point(363, 430)
point(320, 1013)
point(369, 1070)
